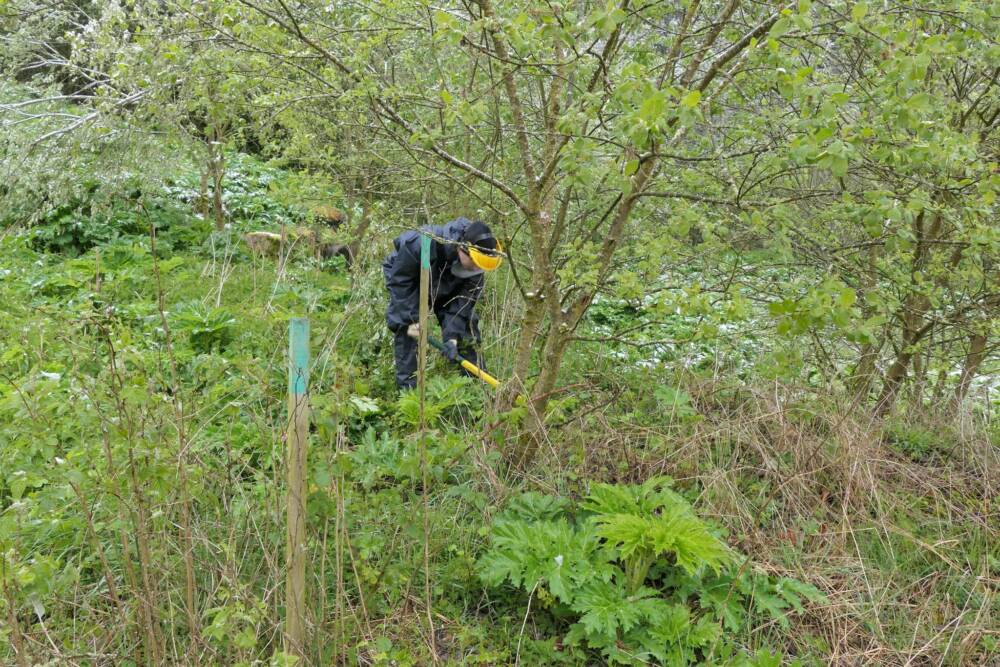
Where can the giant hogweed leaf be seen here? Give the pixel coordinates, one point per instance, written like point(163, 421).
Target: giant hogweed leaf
point(770, 604)
point(794, 591)
point(704, 632)
point(725, 604)
point(651, 519)
point(443, 393)
point(498, 566)
point(608, 609)
point(505, 561)
point(533, 506)
point(548, 552)
point(675, 639)
point(611, 499)
point(643, 499)
point(694, 545)
point(665, 640)
point(625, 628)
point(682, 534)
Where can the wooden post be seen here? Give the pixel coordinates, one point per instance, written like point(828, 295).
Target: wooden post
point(425, 284)
point(298, 433)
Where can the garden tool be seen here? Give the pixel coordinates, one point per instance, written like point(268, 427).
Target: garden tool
point(467, 365)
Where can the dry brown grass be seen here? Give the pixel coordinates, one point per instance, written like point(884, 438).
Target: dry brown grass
point(809, 487)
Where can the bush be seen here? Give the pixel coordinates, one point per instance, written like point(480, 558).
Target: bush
point(97, 216)
point(626, 570)
point(207, 328)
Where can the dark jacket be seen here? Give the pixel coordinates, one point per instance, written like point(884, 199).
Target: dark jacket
point(453, 298)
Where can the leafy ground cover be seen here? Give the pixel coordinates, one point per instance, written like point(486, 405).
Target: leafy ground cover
point(687, 507)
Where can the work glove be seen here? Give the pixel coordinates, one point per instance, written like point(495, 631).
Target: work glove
point(413, 331)
point(451, 350)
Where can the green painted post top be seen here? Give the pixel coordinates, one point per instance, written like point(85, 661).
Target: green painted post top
point(298, 356)
point(425, 252)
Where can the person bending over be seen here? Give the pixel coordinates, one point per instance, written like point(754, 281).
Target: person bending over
point(461, 252)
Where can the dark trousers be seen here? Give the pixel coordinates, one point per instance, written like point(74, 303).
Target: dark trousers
point(405, 349)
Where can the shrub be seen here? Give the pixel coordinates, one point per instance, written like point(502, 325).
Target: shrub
point(627, 569)
point(208, 328)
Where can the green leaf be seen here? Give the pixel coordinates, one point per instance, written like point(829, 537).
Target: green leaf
point(606, 609)
point(794, 590)
point(765, 658)
point(846, 297)
point(11, 353)
point(322, 477)
point(246, 638)
point(705, 632)
point(653, 107)
point(675, 401)
point(773, 606)
point(920, 102)
point(691, 100)
point(780, 27)
point(17, 487)
point(859, 11)
point(554, 553)
point(534, 506)
point(673, 625)
point(647, 521)
point(838, 165)
point(364, 405)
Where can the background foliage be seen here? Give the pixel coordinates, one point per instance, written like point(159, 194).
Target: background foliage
point(752, 246)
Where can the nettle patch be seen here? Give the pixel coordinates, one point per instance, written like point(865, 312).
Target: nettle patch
point(634, 574)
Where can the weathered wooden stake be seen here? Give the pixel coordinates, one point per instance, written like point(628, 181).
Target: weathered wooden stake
point(298, 433)
point(425, 283)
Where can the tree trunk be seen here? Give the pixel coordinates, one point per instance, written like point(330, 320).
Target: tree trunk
point(530, 326)
point(542, 283)
point(913, 333)
point(893, 379)
point(552, 357)
point(973, 359)
point(920, 364)
point(911, 314)
point(361, 231)
point(17, 641)
point(939, 385)
point(861, 379)
point(203, 192)
point(913, 317)
point(217, 167)
point(551, 361)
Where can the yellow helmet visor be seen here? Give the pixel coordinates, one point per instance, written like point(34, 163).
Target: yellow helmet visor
point(486, 261)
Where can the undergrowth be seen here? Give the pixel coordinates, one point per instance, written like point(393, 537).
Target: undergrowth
point(141, 390)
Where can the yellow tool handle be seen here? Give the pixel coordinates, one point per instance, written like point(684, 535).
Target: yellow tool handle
point(480, 373)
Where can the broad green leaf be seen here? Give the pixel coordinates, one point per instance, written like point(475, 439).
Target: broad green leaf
point(690, 101)
point(653, 107)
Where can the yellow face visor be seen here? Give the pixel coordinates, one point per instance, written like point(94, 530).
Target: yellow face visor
point(486, 261)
